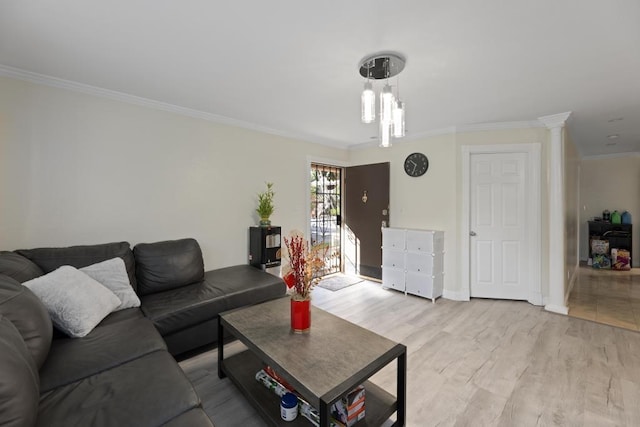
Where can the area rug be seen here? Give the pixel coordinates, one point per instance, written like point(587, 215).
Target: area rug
point(339, 281)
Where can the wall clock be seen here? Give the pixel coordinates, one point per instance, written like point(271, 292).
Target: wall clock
point(416, 164)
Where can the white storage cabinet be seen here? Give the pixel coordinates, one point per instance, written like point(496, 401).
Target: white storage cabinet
point(413, 261)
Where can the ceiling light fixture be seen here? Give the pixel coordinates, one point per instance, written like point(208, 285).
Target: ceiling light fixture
point(383, 66)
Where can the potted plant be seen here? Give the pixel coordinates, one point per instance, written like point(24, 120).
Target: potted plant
point(265, 205)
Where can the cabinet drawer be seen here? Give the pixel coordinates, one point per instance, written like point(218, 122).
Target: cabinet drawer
point(425, 263)
point(425, 285)
point(425, 241)
point(393, 278)
point(393, 238)
point(393, 259)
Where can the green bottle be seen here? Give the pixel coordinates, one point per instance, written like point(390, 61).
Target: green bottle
point(616, 218)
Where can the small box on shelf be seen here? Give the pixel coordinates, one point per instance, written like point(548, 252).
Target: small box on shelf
point(350, 409)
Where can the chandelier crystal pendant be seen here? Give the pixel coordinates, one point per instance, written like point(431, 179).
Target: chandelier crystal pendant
point(368, 103)
point(398, 119)
point(387, 102)
point(385, 134)
point(392, 110)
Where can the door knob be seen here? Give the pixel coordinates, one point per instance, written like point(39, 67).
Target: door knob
point(472, 233)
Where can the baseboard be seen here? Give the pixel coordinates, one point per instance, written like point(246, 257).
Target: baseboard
point(560, 309)
point(455, 295)
point(572, 282)
point(371, 279)
point(536, 298)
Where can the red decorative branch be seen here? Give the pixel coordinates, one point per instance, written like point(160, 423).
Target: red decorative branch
point(303, 264)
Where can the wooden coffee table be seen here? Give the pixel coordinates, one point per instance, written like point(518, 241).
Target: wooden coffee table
point(322, 366)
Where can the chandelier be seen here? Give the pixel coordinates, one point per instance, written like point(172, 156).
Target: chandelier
point(383, 66)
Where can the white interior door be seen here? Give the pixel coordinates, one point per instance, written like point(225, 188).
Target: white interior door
point(499, 258)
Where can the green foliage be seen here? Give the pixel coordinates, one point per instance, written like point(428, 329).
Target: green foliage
point(265, 202)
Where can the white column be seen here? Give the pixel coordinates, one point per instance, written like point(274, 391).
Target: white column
point(557, 301)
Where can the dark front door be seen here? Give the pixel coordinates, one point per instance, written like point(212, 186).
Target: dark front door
point(366, 194)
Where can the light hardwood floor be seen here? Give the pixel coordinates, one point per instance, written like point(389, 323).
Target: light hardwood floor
point(606, 296)
point(478, 363)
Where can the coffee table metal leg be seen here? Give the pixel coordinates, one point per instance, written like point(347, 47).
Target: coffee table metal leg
point(324, 414)
point(402, 389)
point(221, 374)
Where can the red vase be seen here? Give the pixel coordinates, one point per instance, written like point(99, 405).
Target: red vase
point(300, 316)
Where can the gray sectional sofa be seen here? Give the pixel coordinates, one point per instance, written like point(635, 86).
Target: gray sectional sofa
point(122, 372)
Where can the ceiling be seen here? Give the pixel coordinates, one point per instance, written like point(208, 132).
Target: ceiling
point(290, 67)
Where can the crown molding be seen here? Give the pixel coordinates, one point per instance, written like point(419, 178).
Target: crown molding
point(555, 120)
point(41, 79)
point(523, 124)
point(451, 130)
point(611, 156)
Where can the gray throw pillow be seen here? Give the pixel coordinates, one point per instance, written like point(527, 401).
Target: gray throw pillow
point(112, 274)
point(75, 302)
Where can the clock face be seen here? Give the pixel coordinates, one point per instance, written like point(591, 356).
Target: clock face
point(416, 164)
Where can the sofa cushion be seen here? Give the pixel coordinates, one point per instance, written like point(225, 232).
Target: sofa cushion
point(193, 417)
point(222, 289)
point(196, 336)
point(72, 359)
point(19, 392)
point(75, 302)
point(49, 259)
point(23, 308)
point(148, 391)
point(112, 274)
point(245, 285)
point(18, 267)
point(122, 316)
point(180, 308)
point(167, 265)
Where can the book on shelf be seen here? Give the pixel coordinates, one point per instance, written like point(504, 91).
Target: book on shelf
point(345, 412)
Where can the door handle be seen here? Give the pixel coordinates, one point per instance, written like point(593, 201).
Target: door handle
point(472, 233)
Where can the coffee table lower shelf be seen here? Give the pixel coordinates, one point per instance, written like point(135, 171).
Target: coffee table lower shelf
point(242, 368)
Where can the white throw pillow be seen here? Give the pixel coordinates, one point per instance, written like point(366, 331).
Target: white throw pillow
point(112, 274)
point(75, 302)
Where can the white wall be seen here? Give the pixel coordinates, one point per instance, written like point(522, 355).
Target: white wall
point(78, 169)
point(610, 183)
point(434, 200)
point(426, 202)
point(571, 210)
